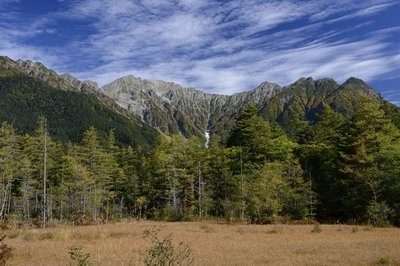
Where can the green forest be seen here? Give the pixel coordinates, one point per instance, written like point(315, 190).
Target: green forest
point(334, 170)
point(23, 99)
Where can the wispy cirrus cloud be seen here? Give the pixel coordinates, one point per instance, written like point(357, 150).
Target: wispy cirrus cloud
point(218, 46)
point(16, 31)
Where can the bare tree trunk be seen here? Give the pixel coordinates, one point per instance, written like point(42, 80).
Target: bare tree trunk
point(62, 195)
point(84, 200)
point(200, 191)
point(36, 203)
point(44, 174)
point(9, 199)
point(5, 200)
point(50, 205)
point(95, 204)
point(174, 195)
point(121, 206)
point(24, 199)
point(241, 187)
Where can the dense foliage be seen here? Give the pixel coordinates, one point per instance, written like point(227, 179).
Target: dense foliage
point(23, 99)
point(336, 169)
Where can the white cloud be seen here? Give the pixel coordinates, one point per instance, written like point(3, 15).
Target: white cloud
point(16, 51)
point(212, 45)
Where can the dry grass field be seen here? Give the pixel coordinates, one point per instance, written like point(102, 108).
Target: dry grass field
point(212, 244)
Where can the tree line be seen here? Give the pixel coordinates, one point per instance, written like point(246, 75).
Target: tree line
point(336, 169)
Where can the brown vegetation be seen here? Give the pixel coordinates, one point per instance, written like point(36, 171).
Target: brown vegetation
point(212, 244)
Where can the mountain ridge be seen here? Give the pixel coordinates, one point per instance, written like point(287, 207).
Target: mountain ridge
point(174, 101)
point(173, 109)
point(190, 111)
point(32, 90)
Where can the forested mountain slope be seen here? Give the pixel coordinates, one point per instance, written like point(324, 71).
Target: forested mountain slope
point(69, 111)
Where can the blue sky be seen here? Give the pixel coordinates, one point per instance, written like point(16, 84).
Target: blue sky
point(215, 46)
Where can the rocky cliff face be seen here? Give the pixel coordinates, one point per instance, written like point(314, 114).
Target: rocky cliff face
point(174, 109)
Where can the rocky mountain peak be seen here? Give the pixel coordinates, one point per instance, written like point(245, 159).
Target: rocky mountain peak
point(265, 89)
point(358, 84)
point(71, 80)
point(92, 84)
point(266, 85)
point(129, 84)
point(355, 81)
point(40, 71)
point(36, 69)
point(304, 82)
point(8, 66)
point(326, 82)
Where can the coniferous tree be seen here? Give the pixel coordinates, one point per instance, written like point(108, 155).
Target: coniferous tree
point(368, 134)
point(129, 187)
point(93, 158)
point(318, 158)
point(224, 185)
point(174, 177)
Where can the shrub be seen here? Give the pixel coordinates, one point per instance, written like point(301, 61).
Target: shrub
point(77, 255)
point(317, 228)
point(379, 213)
point(162, 251)
point(384, 260)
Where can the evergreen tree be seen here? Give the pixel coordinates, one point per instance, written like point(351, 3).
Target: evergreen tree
point(365, 139)
point(319, 157)
point(93, 158)
point(175, 180)
point(73, 188)
point(129, 186)
point(224, 185)
point(240, 135)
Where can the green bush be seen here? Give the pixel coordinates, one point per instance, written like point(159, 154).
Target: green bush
point(163, 252)
point(77, 255)
point(384, 260)
point(379, 213)
point(317, 228)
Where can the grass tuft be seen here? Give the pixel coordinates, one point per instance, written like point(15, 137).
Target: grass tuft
point(206, 228)
point(278, 229)
point(384, 260)
point(317, 228)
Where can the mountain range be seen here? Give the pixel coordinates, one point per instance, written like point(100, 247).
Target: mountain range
point(141, 109)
